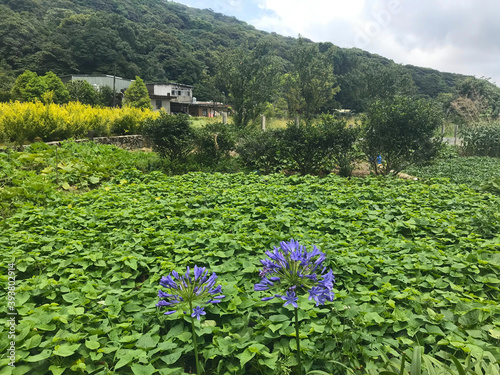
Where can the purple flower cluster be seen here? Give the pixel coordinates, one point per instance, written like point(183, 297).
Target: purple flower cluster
point(188, 289)
point(294, 268)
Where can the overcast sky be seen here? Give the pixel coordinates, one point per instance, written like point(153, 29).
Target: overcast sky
point(459, 36)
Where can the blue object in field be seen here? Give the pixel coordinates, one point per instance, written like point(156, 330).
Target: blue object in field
point(379, 159)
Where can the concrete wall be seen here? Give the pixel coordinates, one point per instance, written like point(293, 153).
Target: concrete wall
point(165, 104)
point(100, 81)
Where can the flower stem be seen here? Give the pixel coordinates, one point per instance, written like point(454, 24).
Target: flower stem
point(297, 338)
point(198, 369)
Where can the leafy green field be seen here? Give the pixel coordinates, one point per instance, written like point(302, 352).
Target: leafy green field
point(473, 171)
point(416, 263)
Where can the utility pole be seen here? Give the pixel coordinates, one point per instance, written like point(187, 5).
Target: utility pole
point(114, 89)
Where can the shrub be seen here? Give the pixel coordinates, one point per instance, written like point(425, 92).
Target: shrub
point(262, 151)
point(24, 122)
point(171, 136)
point(339, 140)
point(214, 142)
point(403, 131)
point(307, 149)
point(481, 140)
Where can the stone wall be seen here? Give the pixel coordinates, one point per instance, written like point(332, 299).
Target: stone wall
point(127, 142)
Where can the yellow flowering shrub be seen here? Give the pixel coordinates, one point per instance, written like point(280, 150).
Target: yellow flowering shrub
point(24, 122)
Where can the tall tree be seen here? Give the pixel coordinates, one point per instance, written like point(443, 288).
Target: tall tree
point(250, 79)
point(28, 87)
point(137, 95)
point(59, 90)
point(82, 91)
point(310, 84)
point(402, 131)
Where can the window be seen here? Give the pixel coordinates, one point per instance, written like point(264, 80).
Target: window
point(158, 103)
point(205, 113)
point(173, 92)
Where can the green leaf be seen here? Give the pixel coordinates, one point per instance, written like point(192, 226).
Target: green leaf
point(138, 369)
point(278, 318)
point(147, 342)
point(94, 180)
point(57, 370)
point(65, 350)
point(92, 344)
point(244, 357)
point(171, 358)
point(39, 357)
point(416, 361)
point(373, 316)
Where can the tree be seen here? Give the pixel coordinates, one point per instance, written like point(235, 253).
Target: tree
point(476, 100)
point(82, 91)
point(250, 78)
point(403, 131)
point(55, 85)
point(29, 87)
point(137, 95)
point(171, 135)
point(310, 84)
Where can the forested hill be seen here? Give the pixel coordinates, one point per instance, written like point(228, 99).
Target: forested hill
point(160, 40)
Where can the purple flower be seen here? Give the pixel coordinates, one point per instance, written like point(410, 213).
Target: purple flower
point(264, 284)
point(290, 298)
point(189, 289)
point(296, 270)
point(197, 311)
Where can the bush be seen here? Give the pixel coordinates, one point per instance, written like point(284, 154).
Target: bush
point(214, 142)
point(262, 151)
point(481, 140)
point(307, 149)
point(24, 122)
point(340, 140)
point(171, 136)
point(403, 131)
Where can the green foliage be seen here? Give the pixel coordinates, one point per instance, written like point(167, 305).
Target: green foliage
point(476, 100)
point(34, 176)
point(55, 85)
point(83, 92)
point(365, 78)
point(171, 136)
point(305, 149)
point(249, 79)
point(166, 41)
point(137, 96)
point(214, 142)
point(481, 140)
point(262, 151)
point(411, 264)
point(29, 87)
point(105, 97)
point(310, 84)
point(418, 363)
point(474, 171)
point(403, 131)
point(25, 122)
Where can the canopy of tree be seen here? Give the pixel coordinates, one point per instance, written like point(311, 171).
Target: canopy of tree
point(165, 41)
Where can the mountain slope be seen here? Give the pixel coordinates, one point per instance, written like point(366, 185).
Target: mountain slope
point(161, 40)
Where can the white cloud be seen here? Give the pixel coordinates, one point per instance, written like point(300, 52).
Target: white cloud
point(308, 18)
point(450, 35)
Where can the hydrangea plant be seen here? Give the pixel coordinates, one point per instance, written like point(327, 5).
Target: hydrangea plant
point(292, 269)
point(185, 293)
